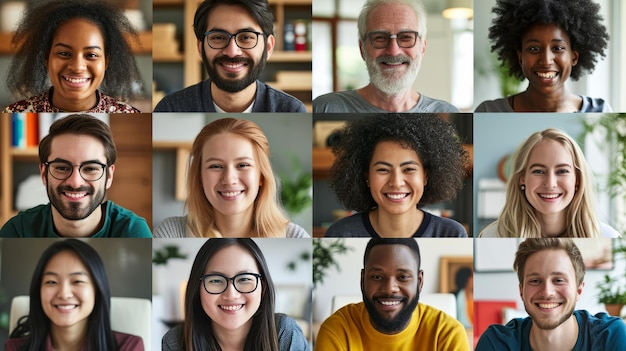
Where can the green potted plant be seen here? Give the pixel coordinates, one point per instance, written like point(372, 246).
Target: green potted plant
point(296, 189)
point(324, 257)
point(612, 290)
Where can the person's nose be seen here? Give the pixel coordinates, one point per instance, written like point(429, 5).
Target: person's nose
point(230, 292)
point(232, 50)
point(75, 180)
point(393, 48)
point(229, 176)
point(550, 181)
point(64, 290)
point(390, 286)
point(396, 179)
point(77, 63)
point(547, 56)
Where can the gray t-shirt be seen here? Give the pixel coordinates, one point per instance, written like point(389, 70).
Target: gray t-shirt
point(351, 101)
point(359, 225)
point(491, 231)
point(176, 227)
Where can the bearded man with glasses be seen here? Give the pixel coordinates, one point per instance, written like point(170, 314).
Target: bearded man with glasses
point(392, 41)
point(235, 39)
point(77, 162)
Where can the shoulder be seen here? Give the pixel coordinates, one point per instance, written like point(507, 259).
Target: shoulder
point(296, 231)
point(497, 105)
point(33, 222)
point(277, 100)
point(340, 101)
point(32, 104)
point(606, 231)
point(351, 226)
point(125, 223)
point(171, 339)
point(491, 231)
point(444, 227)
point(13, 344)
point(171, 227)
point(290, 336)
point(427, 104)
point(190, 99)
point(110, 105)
point(595, 105)
point(512, 336)
point(128, 342)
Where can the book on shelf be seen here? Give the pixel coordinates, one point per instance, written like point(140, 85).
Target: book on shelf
point(28, 128)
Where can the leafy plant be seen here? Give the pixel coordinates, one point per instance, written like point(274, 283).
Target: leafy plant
point(304, 256)
point(610, 291)
point(612, 130)
point(166, 253)
point(324, 257)
point(296, 192)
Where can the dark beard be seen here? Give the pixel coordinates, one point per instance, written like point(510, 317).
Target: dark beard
point(230, 85)
point(395, 325)
point(74, 212)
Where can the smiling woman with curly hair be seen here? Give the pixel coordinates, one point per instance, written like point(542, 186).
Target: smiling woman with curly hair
point(387, 166)
point(72, 56)
point(547, 42)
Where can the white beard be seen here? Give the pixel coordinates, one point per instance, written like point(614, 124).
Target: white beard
point(388, 82)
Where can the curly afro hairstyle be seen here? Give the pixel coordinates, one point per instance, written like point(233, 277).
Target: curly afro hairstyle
point(434, 140)
point(28, 74)
point(580, 19)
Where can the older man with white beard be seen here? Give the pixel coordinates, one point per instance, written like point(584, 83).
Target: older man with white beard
point(392, 40)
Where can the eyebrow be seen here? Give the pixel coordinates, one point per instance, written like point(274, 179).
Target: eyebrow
point(71, 274)
point(399, 270)
point(242, 158)
point(82, 163)
point(237, 31)
point(535, 274)
point(384, 163)
point(558, 40)
point(85, 48)
point(560, 165)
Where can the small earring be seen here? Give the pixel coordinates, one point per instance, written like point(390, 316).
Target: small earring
point(522, 187)
point(367, 182)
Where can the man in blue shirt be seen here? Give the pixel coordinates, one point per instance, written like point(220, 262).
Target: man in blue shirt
point(77, 161)
point(551, 278)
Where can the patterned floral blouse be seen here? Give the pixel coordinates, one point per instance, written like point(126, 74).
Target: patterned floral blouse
point(43, 103)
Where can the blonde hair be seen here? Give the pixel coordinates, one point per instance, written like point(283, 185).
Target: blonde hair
point(519, 218)
point(269, 220)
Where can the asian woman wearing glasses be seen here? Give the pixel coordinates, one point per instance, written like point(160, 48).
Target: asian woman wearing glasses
point(229, 303)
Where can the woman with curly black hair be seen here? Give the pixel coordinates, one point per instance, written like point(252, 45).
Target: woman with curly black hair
point(388, 166)
point(547, 42)
point(72, 56)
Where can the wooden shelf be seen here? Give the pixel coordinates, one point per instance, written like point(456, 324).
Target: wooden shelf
point(291, 56)
point(143, 47)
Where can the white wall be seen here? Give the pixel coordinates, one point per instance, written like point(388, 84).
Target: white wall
point(346, 282)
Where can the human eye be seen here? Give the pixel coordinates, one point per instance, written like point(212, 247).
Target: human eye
point(246, 36)
point(244, 165)
point(379, 37)
point(562, 171)
point(61, 167)
point(214, 280)
point(91, 168)
point(558, 48)
point(533, 49)
point(537, 171)
point(63, 54)
point(49, 282)
point(215, 166)
point(534, 281)
point(404, 277)
point(92, 56)
point(376, 277)
point(406, 37)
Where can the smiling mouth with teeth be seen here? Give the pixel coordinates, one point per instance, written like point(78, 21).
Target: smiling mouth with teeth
point(231, 307)
point(397, 196)
point(549, 196)
point(76, 80)
point(548, 305)
point(547, 75)
point(230, 193)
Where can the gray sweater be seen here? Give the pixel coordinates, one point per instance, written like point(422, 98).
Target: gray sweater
point(176, 227)
point(290, 336)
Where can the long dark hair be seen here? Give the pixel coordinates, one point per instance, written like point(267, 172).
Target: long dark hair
point(36, 326)
point(198, 332)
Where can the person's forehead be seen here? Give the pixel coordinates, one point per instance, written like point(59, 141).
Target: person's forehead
point(231, 17)
point(392, 255)
point(398, 14)
point(76, 145)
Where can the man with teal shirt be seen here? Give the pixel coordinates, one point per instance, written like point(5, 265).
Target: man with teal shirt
point(77, 162)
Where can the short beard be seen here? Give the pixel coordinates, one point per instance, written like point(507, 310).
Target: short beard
point(231, 85)
point(391, 85)
point(395, 325)
point(73, 211)
point(548, 324)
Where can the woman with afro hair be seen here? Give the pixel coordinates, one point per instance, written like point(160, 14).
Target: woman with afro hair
point(72, 56)
point(387, 167)
point(547, 42)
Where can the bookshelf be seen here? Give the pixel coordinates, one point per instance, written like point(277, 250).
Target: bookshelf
point(291, 66)
point(132, 181)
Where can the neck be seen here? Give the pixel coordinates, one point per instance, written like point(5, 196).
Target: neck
point(233, 102)
point(73, 105)
point(399, 102)
point(538, 101)
point(232, 340)
point(561, 338)
point(78, 228)
point(68, 338)
point(552, 225)
point(396, 226)
point(235, 226)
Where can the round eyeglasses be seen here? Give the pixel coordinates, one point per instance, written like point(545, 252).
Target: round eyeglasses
point(405, 39)
point(89, 171)
point(216, 283)
point(245, 39)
